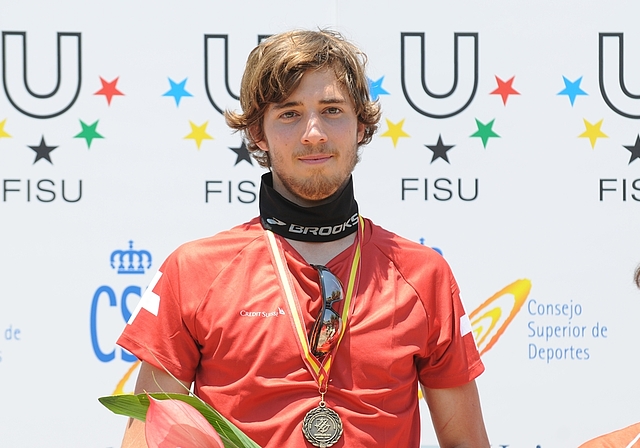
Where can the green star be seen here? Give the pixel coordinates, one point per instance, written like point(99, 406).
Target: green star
point(485, 131)
point(89, 132)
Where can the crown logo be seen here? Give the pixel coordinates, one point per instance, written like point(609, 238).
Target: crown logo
point(130, 261)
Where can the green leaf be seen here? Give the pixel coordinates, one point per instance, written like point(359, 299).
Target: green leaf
point(136, 406)
point(129, 405)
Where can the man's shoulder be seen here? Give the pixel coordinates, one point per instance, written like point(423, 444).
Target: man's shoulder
point(221, 246)
point(424, 269)
point(414, 262)
point(400, 248)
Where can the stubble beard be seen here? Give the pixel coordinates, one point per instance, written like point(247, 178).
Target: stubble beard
point(320, 184)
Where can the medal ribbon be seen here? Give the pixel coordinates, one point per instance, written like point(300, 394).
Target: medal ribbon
point(320, 370)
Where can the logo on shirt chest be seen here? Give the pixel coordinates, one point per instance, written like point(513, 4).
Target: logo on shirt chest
point(278, 312)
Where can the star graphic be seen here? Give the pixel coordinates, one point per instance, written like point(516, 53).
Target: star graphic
point(593, 132)
point(635, 150)
point(177, 90)
point(375, 88)
point(199, 133)
point(395, 131)
point(485, 131)
point(243, 154)
point(89, 132)
point(505, 89)
point(43, 151)
point(440, 150)
point(109, 89)
point(3, 133)
point(572, 89)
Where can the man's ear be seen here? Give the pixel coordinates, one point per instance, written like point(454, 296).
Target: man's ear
point(361, 128)
point(262, 144)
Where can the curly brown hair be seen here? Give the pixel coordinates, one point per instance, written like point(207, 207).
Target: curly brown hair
point(275, 68)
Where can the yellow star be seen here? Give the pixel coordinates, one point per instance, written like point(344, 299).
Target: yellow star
point(395, 131)
point(593, 132)
point(199, 133)
point(3, 133)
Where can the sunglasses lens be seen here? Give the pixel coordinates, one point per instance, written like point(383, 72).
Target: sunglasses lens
point(332, 287)
point(329, 331)
point(328, 325)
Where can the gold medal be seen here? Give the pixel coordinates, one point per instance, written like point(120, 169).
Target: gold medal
point(322, 426)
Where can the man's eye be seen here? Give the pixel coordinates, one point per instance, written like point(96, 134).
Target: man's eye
point(288, 115)
point(333, 110)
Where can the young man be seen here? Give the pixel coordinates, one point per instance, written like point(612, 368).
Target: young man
point(311, 326)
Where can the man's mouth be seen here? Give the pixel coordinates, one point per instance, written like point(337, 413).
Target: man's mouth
point(315, 158)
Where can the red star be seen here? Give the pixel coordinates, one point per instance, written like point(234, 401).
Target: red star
point(505, 89)
point(109, 89)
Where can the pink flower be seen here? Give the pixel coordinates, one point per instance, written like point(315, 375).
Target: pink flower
point(176, 424)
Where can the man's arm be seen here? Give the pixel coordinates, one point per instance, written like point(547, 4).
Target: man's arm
point(457, 417)
point(150, 379)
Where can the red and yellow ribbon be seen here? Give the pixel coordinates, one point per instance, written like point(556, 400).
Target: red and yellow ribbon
point(320, 370)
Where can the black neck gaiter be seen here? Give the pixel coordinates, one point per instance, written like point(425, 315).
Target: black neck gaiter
point(327, 222)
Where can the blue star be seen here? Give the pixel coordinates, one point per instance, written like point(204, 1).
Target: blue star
point(375, 88)
point(177, 90)
point(572, 89)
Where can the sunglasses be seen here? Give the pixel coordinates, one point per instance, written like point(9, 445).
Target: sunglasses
point(328, 325)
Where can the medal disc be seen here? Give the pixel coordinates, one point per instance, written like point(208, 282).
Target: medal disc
point(322, 426)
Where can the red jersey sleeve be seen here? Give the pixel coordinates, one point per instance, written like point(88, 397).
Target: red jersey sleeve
point(157, 331)
point(451, 355)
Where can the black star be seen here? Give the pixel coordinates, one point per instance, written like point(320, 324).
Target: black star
point(43, 151)
point(440, 150)
point(635, 150)
point(243, 154)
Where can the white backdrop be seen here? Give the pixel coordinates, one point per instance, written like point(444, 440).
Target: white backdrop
point(536, 179)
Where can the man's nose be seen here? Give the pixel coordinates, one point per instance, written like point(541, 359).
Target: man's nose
point(314, 132)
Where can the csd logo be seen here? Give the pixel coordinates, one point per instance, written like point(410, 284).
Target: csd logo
point(107, 307)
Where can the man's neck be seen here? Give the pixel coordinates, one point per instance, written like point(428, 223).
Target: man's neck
point(331, 222)
point(313, 252)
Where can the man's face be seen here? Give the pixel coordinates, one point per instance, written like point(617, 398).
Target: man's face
point(312, 138)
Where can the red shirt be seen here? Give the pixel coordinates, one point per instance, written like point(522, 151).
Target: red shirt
point(222, 321)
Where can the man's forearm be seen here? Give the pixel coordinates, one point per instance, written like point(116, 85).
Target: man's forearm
point(134, 435)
